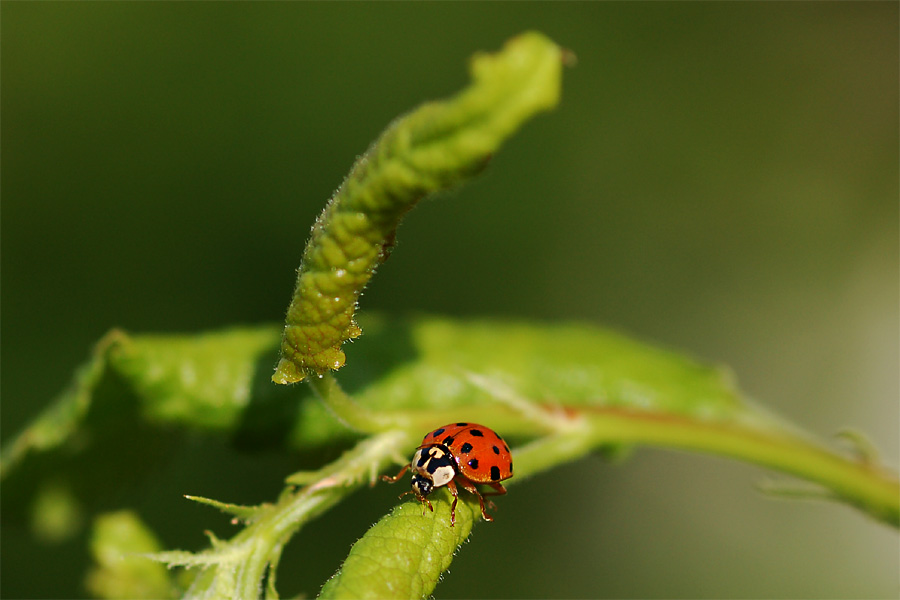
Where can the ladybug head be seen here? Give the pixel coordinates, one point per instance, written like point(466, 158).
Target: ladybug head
point(421, 485)
point(432, 467)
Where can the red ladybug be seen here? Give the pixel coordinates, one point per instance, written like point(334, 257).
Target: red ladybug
point(466, 453)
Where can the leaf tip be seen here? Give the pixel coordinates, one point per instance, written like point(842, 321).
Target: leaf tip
point(287, 372)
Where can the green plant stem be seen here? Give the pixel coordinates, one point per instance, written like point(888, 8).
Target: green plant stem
point(349, 412)
point(237, 567)
point(865, 485)
point(574, 434)
point(282, 520)
point(861, 484)
point(240, 563)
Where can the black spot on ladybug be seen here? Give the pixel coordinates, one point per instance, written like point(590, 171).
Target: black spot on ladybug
point(495, 449)
point(474, 463)
point(465, 448)
point(461, 424)
point(438, 432)
point(495, 473)
point(447, 440)
point(505, 447)
point(509, 468)
point(477, 433)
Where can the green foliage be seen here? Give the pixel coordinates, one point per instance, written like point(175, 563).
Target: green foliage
point(434, 147)
point(119, 545)
point(417, 371)
point(404, 554)
point(607, 391)
point(556, 392)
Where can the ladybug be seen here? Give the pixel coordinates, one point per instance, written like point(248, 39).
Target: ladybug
point(464, 453)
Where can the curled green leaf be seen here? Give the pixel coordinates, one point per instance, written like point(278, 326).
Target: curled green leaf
point(432, 148)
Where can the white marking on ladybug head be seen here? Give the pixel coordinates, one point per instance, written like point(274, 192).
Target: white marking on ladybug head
point(418, 464)
point(442, 475)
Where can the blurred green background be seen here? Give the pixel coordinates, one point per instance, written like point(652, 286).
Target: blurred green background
point(719, 178)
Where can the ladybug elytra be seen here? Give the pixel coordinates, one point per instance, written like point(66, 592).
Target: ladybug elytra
point(463, 453)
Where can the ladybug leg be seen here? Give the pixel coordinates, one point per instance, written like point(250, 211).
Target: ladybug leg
point(470, 487)
point(396, 477)
point(406, 493)
point(452, 487)
point(499, 490)
point(426, 503)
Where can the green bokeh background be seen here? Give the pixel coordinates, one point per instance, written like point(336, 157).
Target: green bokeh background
point(720, 178)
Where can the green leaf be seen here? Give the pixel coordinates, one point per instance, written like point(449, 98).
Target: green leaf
point(524, 379)
point(119, 544)
point(434, 147)
point(56, 514)
point(206, 380)
point(556, 392)
point(465, 363)
point(404, 554)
